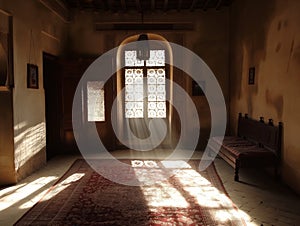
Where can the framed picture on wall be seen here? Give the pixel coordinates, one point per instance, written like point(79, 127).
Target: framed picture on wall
point(32, 76)
point(251, 79)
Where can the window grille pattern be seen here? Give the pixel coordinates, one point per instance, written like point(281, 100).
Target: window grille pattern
point(131, 60)
point(95, 101)
point(134, 105)
point(157, 58)
point(156, 93)
point(152, 87)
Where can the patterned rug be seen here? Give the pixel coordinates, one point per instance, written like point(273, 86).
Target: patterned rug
point(84, 197)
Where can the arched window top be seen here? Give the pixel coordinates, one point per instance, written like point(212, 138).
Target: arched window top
point(156, 58)
point(163, 46)
point(145, 92)
point(144, 80)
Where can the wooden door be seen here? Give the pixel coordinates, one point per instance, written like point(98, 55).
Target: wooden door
point(52, 104)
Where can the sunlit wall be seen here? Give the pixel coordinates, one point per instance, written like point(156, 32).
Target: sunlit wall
point(35, 30)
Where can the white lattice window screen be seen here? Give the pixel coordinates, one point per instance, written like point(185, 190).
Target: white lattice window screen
point(157, 58)
point(156, 93)
point(134, 105)
point(155, 87)
point(131, 60)
point(95, 101)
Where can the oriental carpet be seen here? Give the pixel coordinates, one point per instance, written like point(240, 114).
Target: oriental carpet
point(186, 197)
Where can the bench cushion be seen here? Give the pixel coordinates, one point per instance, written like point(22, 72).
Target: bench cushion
point(240, 148)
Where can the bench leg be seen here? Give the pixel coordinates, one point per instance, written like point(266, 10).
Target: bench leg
point(236, 171)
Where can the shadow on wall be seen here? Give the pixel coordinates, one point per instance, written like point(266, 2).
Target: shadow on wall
point(249, 41)
point(275, 102)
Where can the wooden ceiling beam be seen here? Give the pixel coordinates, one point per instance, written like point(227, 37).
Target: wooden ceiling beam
point(59, 8)
point(138, 5)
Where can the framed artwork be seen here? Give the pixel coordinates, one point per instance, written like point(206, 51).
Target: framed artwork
point(251, 76)
point(196, 88)
point(32, 76)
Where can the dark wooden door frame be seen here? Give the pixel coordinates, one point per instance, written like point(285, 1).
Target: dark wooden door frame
point(51, 83)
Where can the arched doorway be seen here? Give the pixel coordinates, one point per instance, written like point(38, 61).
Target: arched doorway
point(144, 84)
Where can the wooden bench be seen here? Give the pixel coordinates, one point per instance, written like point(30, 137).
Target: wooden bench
point(257, 144)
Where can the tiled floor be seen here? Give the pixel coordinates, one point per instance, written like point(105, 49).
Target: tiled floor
point(261, 199)
point(264, 200)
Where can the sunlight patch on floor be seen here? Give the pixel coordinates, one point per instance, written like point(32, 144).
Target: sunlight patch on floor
point(178, 164)
point(63, 185)
point(164, 196)
point(208, 196)
point(24, 191)
point(193, 187)
point(10, 190)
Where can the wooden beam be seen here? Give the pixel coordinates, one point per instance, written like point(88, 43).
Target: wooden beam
point(138, 5)
point(193, 5)
point(58, 8)
point(166, 5)
point(179, 5)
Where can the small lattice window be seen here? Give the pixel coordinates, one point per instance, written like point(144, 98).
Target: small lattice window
point(95, 101)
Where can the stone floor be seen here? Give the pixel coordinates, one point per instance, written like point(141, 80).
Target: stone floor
point(261, 199)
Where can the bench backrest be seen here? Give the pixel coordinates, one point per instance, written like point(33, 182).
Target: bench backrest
point(264, 134)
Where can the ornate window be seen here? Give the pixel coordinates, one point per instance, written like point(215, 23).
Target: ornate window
point(95, 101)
point(145, 92)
